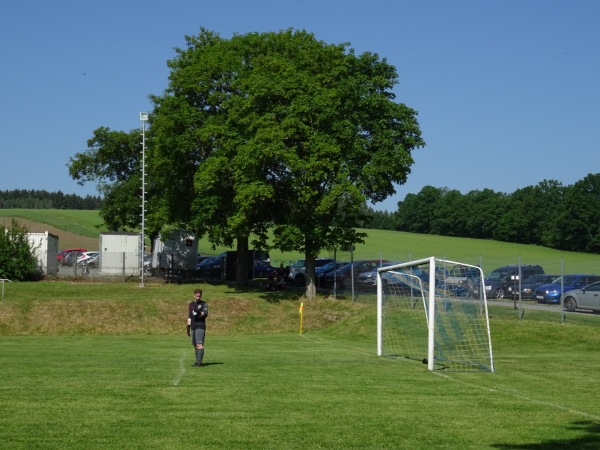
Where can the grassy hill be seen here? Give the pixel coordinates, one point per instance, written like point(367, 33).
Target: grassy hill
point(82, 228)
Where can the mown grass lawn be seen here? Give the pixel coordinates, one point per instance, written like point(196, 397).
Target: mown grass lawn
point(322, 389)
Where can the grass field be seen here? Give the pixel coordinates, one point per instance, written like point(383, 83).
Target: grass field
point(109, 366)
point(91, 364)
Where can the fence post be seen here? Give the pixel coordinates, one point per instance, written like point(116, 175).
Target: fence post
point(562, 290)
point(3, 280)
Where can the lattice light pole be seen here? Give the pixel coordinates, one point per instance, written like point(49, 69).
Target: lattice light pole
point(143, 119)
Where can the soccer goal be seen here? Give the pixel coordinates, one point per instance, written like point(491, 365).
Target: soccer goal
point(439, 319)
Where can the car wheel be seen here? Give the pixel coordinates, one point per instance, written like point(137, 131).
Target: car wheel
point(499, 293)
point(570, 304)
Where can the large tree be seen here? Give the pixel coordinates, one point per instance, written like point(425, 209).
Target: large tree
point(283, 130)
point(577, 222)
point(113, 161)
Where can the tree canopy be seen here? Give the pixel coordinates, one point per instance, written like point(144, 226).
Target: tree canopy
point(112, 161)
point(282, 131)
point(280, 134)
point(17, 260)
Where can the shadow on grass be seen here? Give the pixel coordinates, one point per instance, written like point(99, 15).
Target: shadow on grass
point(206, 364)
point(590, 439)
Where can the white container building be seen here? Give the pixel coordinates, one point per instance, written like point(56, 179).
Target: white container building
point(120, 254)
point(45, 250)
point(177, 251)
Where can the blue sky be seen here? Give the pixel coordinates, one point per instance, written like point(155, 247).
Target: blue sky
point(508, 92)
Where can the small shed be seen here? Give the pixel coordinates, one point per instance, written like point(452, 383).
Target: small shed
point(45, 250)
point(120, 254)
point(176, 251)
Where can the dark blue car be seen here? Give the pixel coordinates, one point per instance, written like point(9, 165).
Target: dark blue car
point(552, 292)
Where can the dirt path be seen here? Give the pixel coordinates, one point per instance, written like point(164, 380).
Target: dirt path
point(65, 239)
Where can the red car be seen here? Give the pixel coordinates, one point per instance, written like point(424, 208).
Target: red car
point(63, 256)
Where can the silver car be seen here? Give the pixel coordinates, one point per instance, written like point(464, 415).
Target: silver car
point(586, 298)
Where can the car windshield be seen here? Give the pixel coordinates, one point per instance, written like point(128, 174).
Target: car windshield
point(328, 266)
point(298, 264)
point(533, 279)
point(497, 275)
point(321, 262)
point(567, 279)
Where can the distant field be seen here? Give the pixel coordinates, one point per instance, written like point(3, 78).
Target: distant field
point(82, 228)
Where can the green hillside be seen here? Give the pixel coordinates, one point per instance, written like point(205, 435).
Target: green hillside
point(83, 227)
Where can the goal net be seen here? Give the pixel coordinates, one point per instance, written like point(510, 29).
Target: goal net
point(439, 319)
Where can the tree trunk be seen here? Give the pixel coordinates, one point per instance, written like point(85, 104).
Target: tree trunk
point(242, 277)
point(309, 275)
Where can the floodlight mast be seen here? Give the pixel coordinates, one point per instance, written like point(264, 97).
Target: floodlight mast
point(143, 119)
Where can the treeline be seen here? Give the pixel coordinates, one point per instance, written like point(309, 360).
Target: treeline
point(548, 214)
point(33, 199)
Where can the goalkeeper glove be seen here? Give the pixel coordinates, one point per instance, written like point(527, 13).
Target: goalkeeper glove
point(188, 330)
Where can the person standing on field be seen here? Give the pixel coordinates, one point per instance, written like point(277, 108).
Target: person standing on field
point(196, 324)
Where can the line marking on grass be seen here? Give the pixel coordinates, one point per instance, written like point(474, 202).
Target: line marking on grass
point(181, 371)
point(522, 397)
point(495, 390)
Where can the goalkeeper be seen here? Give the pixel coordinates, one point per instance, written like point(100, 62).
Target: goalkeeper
point(196, 324)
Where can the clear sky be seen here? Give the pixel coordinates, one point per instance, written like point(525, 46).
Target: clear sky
point(507, 92)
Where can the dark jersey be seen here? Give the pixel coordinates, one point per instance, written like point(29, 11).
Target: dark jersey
point(197, 319)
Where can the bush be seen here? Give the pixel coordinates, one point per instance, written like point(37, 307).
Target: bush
point(17, 262)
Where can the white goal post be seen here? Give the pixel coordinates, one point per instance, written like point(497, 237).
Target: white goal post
point(441, 320)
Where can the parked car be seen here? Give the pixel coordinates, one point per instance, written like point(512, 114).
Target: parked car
point(368, 280)
point(298, 269)
point(552, 292)
point(322, 271)
point(498, 281)
point(529, 284)
point(461, 281)
point(262, 255)
point(262, 269)
point(147, 261)
point(462, 275)
point(400, 281)
point(585, 298)
point(63, 255)
point(212, 267)
point(90, 259)
point(343, 277)
point(199, 259)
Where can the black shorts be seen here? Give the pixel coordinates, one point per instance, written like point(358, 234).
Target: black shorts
point(198, 336)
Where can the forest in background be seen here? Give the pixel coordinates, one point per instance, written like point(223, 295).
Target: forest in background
point(41, 199)
point(549, 214)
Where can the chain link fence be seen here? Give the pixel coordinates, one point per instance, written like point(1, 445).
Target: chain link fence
point(356, 285)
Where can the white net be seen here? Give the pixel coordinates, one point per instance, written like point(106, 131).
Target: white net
point(458, 338)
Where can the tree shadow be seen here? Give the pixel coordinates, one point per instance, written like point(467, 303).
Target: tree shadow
point(589, 440)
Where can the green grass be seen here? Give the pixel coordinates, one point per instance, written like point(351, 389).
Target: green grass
point(391, 245)
point(284, 391)
point(83, 222)
point(108, 365)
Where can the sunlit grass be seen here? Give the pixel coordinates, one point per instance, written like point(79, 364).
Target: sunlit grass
point(108, 365)
point(282, 391)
